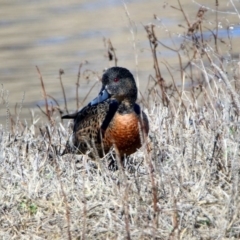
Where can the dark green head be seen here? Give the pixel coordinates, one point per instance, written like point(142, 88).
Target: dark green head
point(118, 84)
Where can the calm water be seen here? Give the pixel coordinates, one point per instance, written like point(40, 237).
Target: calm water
point(63, 34)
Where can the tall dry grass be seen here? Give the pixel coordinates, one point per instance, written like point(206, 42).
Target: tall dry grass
point(185, 187)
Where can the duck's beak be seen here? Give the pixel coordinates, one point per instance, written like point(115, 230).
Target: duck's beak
point(102, 96)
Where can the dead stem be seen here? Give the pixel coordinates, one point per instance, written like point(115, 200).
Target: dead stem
point(78, 85)
point(153, 45)
point(61, 72)
point(111, 52)
point(47, 113)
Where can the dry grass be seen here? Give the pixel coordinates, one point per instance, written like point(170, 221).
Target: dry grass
point(186, 187)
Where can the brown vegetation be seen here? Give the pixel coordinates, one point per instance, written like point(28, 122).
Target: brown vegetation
point(185, 187)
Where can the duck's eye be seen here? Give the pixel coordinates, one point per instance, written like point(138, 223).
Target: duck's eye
point(116, 79)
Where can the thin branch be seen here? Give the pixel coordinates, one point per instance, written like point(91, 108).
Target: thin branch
point(61, 72)
point(44, 94)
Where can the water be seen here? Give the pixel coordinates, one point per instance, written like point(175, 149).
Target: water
point(63, 34)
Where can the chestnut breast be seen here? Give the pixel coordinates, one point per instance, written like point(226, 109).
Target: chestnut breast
point(123, 131)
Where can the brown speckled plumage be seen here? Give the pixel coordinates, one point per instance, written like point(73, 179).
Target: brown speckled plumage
point(113, 120)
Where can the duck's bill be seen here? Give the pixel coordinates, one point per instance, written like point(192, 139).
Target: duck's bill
point(102, 96)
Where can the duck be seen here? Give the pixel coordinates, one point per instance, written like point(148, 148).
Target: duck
point(111, 120)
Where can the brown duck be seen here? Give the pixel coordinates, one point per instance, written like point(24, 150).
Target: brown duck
point(113, 118)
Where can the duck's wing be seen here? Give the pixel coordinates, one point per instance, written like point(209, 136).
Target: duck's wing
point(87, 123)
point(101, 113)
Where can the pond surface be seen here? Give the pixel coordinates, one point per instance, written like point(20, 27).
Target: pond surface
point(63, 34)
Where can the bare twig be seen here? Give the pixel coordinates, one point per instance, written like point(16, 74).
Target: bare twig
point(61, 72)
point(153, 45)
point(111, 53)
point(78, 85)
point(44, 94)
